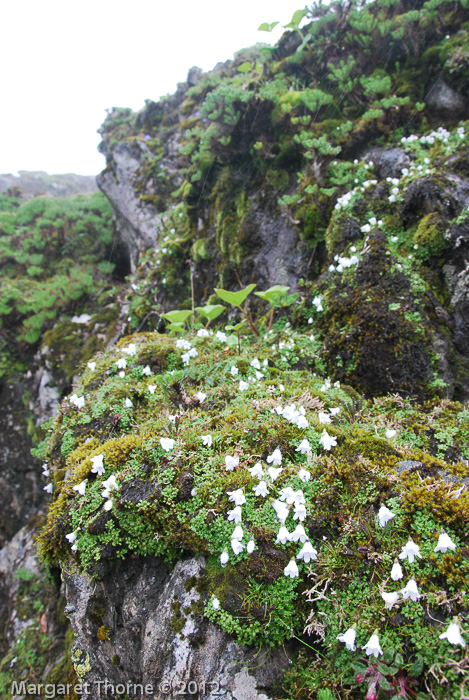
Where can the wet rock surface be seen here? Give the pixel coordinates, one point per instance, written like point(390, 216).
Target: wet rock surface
point(141, 622)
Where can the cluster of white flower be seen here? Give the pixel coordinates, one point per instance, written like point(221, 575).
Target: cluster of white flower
point(78, 401)
point(328, 385)
point(342, 264)
point(186, 357)
point(410, 592)
point(294, 415)
point(317, 302)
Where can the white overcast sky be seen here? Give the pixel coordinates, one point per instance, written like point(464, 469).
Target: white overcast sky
point(63, 63)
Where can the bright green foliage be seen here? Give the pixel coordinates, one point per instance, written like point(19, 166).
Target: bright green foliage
point(54, 253)
point(235, 298)
point(211, 311)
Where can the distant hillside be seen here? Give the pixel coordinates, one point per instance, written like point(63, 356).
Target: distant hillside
point(34, 183)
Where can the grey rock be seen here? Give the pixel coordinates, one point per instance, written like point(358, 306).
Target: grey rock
point(135, 220)
point(388, 162)
point(445, 103)
point(139, 601)
point(406, 465)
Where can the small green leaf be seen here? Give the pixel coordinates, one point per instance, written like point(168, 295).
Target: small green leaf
point(237, 327)
point(235, 298)
point(266, 27)
point(359, 668)
point(417, 667)
point(399, 660)
point(388, 655)
point(211, 311)
point(384, 683)
point(298, 16)
point(270, 293)
point(177, 316)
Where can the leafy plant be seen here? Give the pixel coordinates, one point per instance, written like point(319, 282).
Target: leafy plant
point(236, 299)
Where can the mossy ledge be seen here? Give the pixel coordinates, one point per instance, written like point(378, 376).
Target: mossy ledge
point(175, 499)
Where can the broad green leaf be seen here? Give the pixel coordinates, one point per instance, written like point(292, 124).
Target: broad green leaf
point(179, 327)
point(245, 67)
point(388, 655)
point(399, 660)
point(384, 683)
point(232, 340)
point(211, 311)
point(416, 668)
point(269, 294)
point(237, 327)
point(235, 298)
point(266, 26)
point(177, 316)
point(295, 20)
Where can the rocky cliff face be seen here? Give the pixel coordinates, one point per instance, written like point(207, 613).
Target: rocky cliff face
point(336, 165)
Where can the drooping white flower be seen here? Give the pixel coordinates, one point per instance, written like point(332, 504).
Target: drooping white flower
point(207, 440)
point(91, 366)
point(307, 553)
point(304, 475)
point(71, 537)
point(167, 444)
point(122, 374)
point(327, 441)
point(453, 633)
point(324, 417)
point(256, 470)
point(255, 363)
point(444, 543)
point(172, 419)
point(202, 333)
point(385, 515)
point(273, 472)
point(260, 489)
point(283, 535)
point(128, 403)
point(291, 569)
point(396, 571)
point(250, 546)
point(237, 497)
point(238, 533)
point(390, 599)
point(235, 514)
point(79, 401)
point(183, 344)
point(146, 371)
point(281, 509)
point(81, 487)
point(237, 546)
point(298, 534)
point(302, 423)
point(231, 463)
point(391, 433)
point(45, 469)
point(275, 458)
point(224, 558)
point(348, 638)
point(219, 335)
point(121, 363)
point(410, 551)
point(200, 396)
point(98, 467)
point(243, 386)
point(334, 411)
point(304, 447)
point(300, 512)
point(234, 371)
point(215, 603)
point(152, 388)
point(49, 487)
point(411, 591)
point(372, 647)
